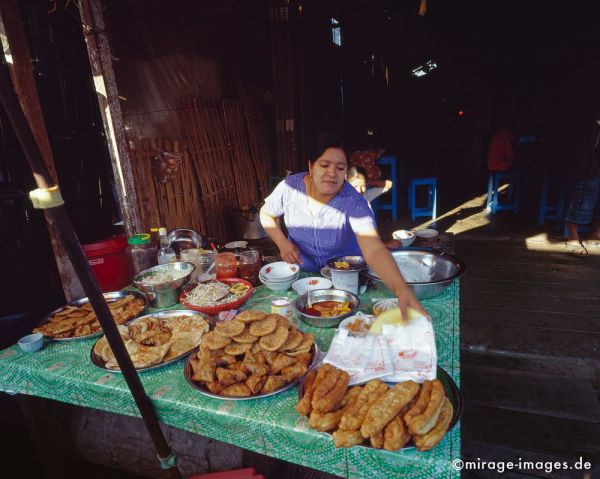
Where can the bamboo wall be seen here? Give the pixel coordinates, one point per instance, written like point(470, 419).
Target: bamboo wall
point(226, 164)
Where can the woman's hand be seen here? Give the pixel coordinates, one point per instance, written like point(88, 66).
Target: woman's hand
point(289, 252)
point(406, 300)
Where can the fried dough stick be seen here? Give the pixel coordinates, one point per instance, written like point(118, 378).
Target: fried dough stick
point(330, 391)
point(354, 416)
point(424, 422)
point(304, 405)
point(422, 401)
point(329, 421)
point(395, 434)
point(387, 407)
point(437, 433)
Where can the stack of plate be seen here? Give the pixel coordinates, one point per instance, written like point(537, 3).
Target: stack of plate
point(279, 276)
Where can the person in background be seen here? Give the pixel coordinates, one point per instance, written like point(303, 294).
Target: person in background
point(327, 218)
point(358, 178)
point(502, 151)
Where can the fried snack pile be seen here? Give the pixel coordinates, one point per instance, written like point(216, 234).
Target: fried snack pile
point(152, 340)
point(252, 354)
point(77, 321)
point(382, 416)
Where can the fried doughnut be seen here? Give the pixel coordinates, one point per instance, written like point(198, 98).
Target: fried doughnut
point(304, 405)
point(421, 404)
point(355, 415)
point(395, 434)
point(250, 316)
point(347, 438)
point(436, 434)
point(325, 421)
point(230, 329)
point(264, 326)
point(387, 407)
point(330, 392)
point(424, 422)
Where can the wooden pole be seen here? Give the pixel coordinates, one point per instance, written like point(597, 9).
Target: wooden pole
point(57, 216)
point(22, 74)
point(108, 98)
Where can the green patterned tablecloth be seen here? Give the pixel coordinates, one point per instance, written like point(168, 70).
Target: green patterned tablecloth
point(271, 426)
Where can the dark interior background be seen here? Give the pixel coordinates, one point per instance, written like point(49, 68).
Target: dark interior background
point(516, 59)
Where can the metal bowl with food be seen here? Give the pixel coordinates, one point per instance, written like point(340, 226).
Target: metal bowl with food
point(181, 239)
point(427, 272)
point(162, 284)
point(325, 308)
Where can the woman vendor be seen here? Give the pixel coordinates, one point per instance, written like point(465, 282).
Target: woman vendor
point(326, 218)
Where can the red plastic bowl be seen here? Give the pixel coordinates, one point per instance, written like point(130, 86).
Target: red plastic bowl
point(212, 310)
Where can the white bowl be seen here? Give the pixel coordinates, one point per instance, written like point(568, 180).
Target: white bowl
point(265, 279)
point(281, 286)
point(309, 284)
point(405, 237)
point(279, 271)
point(427, 233)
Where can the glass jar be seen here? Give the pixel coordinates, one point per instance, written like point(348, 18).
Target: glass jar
point(282, 306)
point(140, 253)
point(207, 265)
point(226, 265)
point(250, 266)
point(191, 255)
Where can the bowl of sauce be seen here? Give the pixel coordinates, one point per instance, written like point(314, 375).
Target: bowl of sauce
point(325, 308)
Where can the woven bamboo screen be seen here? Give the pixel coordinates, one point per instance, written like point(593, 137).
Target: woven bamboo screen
point(226, 164)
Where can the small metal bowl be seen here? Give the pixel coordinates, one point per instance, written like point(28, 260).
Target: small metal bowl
point(181, 239)
point(165, 294)
point(325, 295)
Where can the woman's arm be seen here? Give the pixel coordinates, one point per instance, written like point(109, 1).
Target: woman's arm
point(289, 251)
point(384, 265)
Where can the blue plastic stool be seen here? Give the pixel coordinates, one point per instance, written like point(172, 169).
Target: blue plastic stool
point(493, 201)
point(431, 209)
point(547, 212)
point(377, 204)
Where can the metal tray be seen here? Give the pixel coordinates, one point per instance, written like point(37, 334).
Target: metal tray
point(187, 371)
point(97, 361)
point(108, 297)
point(452, 393)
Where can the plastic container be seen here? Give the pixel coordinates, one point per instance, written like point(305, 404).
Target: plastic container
point(140, 253)
point(108, 261)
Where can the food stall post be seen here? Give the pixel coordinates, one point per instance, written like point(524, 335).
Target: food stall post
point(47, 197)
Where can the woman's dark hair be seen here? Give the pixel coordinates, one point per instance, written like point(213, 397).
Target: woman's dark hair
point(328, 140)
point(355, 171)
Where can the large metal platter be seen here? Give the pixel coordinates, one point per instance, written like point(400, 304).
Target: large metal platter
point(452, 393)
point(187, 371)
point(98, 362)
point(108, 297)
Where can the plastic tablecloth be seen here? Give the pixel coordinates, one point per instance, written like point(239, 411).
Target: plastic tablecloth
point(63, 371)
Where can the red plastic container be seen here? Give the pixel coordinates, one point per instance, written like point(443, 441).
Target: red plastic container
point(108, 261)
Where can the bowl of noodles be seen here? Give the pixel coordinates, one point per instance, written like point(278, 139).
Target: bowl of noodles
point(325, 308)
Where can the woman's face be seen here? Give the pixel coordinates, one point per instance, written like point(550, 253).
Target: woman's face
point(359, 183)
point(329, 171)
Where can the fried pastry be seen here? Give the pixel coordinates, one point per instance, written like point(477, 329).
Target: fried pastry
point(304, 358)
point(264, 326)
point(325, 421)
point(387, 407)
point(272, 384)
point(304, 405)
point(250, 316)
point(281, 361)
point(435, 435)
point(330, 392)
point(273, 341)
point(422, 401)
point(294, 339)
point(236, 390)
point(227, 377)
point(229, 329)
point(354, 416)
point(255, 383)
point(236, 349)
point(376, 440)
point(293, 372)
point(204, 367)
point(245, 338)
point(306, 343)
point(214, 340)
point(347, 438)
point(395, 434)
point(425, 421)
point(214, 387)
point(221, 358)
point(254, 367)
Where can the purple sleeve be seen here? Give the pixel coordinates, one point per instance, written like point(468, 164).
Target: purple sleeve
point(362, 219)
point(274, 202)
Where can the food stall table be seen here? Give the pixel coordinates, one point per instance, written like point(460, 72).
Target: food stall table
point(63, 371)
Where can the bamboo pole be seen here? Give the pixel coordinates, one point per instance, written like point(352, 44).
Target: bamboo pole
point(57, 216)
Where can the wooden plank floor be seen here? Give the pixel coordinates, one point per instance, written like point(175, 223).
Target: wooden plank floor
point(530, 353)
